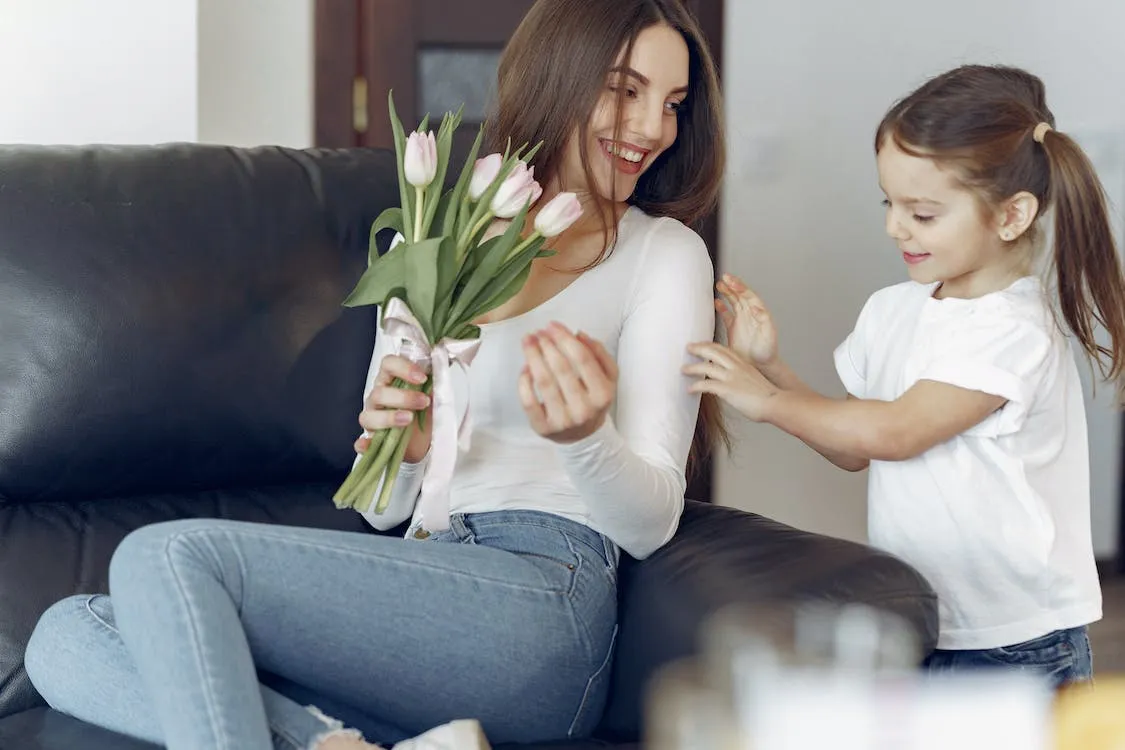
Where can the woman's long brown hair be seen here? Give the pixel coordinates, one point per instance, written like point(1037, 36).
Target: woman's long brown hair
point(551, 77)
point(982, 120)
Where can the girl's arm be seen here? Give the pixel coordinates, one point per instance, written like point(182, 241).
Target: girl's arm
point(928, 414)
point(752, 335)
point(976, 366)
point(783, 377)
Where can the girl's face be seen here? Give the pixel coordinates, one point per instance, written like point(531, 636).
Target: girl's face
point(939, 226)
point(655, 82)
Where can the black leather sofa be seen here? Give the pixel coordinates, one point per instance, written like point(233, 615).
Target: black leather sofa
point(172, 344)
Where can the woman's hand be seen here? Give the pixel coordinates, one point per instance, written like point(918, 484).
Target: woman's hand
point(749, 325)
point(567, 385)
point(730, 377)
point(387, 406)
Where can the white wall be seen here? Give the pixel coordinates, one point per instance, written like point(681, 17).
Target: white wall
point(256, 72)
point(87, 71)
point(238, 72)
point(806, 84)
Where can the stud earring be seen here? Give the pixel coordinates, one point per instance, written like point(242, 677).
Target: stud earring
point(1006, 236)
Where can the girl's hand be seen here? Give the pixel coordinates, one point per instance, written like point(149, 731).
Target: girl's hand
point(749, 326)
point(731, 378)
point(387, 406)
point(567, 385)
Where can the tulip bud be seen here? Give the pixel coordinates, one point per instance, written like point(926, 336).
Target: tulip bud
point(484, 172)
point(558, 215)
point(420, 160)
point(519, 189)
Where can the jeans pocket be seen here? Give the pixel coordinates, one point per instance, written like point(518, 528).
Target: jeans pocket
point(1049, 652)
point(560, 573)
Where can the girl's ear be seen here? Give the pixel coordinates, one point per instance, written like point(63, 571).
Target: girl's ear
point(1017, 214)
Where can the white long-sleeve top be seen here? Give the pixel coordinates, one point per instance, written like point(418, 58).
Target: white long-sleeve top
point(646, 302)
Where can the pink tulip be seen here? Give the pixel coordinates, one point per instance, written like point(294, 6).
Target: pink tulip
point(519, 189)
point(558, 215)
point(484, 172)
point(420, 160)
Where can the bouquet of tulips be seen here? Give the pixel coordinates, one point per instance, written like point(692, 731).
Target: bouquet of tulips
point(445, 272)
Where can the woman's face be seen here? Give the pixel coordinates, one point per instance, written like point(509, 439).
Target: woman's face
point(654, 82)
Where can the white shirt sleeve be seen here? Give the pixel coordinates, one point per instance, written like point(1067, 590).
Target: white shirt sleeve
point(1002, 354)
point(408, 484)
point(851, 355)
point(632, 469)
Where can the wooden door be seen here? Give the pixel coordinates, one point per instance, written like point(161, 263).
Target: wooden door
point(435, 55)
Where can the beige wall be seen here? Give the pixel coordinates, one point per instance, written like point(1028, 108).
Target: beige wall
point(238, 72)
point(109, 71)
point(256, 72)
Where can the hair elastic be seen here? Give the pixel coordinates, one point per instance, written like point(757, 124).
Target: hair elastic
point(1041, 131)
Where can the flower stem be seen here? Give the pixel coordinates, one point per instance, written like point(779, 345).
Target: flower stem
point(344, 495)
point(467, 238)
point(419, 193)
point(523, 245)
point(370, 482)
point(393, 469)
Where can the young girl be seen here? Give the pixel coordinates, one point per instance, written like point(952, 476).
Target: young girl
point(580, 445)
point(963, 394)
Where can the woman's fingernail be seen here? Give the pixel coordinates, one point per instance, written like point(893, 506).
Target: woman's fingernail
point(417, 377)
point(403, 418)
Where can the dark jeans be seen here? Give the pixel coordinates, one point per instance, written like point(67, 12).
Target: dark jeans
point(1062, 657)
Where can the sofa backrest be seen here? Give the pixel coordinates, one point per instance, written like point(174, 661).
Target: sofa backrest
point(172, 342)
point(170, 317)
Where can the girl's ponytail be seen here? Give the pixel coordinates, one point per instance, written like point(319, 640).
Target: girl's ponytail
point(1090, 282)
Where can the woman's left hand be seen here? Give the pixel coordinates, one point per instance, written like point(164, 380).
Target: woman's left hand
point(567, 385)
point(731, 378)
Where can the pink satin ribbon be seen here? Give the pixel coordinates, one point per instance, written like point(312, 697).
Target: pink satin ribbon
point(449, 436)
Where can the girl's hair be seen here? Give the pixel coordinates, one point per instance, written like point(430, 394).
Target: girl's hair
point(983, 121)
point(552, 75)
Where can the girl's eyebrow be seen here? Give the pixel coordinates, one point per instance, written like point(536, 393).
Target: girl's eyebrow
point(643, 80)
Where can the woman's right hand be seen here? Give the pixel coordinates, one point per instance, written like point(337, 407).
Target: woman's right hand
point(388, 407)
point(749, 326)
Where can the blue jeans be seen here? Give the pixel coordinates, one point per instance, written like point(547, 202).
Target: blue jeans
point(1061, 657)
point(507, 617)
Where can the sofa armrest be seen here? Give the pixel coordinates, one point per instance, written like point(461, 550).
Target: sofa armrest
point(722, 556)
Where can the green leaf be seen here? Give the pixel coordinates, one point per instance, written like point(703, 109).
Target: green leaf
point(489, 265)
point(503, 286)
point(494, 295)
point(546, 253)
point(422, 281)
point(383, 274)
point(448, 269)
point(466, 331)
point(449, 125)
point(459, 206)
point(443, 205)
point(391, 218)
point(463, 216)
point(405, 191)
point(531, 154)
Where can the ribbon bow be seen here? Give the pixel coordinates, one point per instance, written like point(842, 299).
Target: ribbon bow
point(410, 342)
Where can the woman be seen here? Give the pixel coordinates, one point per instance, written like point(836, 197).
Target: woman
point(579, 450)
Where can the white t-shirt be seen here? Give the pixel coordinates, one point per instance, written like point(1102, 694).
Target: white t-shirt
point(998, 518)
point(645, 303)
